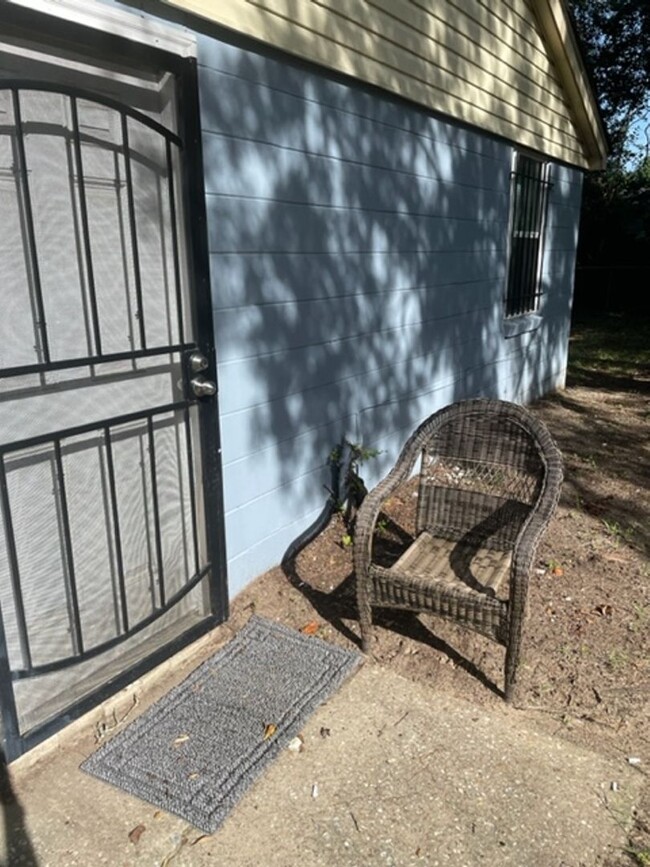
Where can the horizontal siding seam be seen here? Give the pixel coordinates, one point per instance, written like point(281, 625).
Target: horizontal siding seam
point(556, 93)
point(341, 253)
point(308, 518)
point(311, 472)
point(312, 345)
point(349, 337)
point(358, 209)
point(330, 105)
point(401, 47)
point(254, 305)
point(517, 352)
point(289, 439)
point(503, 120)
point(418, 251)
point(283, 486)
point(346, 160)
point(546, 68)
point(511, 84)
point(521, 33)
point(338, 380)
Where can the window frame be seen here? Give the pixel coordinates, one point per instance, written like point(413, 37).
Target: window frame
point(522, 304)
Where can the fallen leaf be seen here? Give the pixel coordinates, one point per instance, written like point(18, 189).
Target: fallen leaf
point(310, 628)
point(324, 732)
point(193, 776)
point(136, 833)
point(181, 740)
point(269, 730)
point(558, 572)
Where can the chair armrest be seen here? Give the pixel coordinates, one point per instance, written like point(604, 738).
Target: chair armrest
point(364, 529)
point(531, 533)
point(369, 510)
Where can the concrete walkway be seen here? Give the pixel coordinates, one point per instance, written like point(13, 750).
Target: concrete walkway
point(392, 773)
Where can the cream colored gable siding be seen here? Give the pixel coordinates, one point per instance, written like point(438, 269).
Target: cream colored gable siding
point(483, 63)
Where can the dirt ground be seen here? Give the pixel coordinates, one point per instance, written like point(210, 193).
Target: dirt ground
point(585, 672)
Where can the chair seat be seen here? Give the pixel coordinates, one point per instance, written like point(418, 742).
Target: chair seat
point(451, 579)
point(441, 561)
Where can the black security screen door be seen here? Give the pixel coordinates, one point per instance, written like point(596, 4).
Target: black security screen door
point(111, 536)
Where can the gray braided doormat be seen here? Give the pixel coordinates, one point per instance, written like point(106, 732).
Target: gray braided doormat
point(196, 751)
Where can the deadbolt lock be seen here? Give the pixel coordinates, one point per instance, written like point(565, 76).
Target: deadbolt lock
point(198, 362)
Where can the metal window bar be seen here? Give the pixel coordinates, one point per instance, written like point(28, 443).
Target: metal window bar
point(156, 511)
point(29, 225)
point(175, 251)
point(78, 430)
point(190, 476)
point(133, 229)
point(98, 649)
point(531, 183)
point(533, 232)
point(85, 228)
point(117, 536)
point(520, 287)
point(525, 237)
point(71, 581)
point(92, 360)
point(14, 571)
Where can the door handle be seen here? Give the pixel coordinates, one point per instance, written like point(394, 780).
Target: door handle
point(203, 387)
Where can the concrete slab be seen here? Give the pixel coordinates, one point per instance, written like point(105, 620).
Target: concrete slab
point(392, 773)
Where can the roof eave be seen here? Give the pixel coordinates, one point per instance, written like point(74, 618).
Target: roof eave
point(555, 21)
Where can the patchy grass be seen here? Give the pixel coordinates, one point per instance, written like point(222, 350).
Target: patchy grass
point(609, 346)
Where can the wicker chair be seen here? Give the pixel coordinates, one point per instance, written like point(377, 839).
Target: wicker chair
point(489, 482)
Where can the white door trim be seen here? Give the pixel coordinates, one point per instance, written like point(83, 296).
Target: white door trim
point(134, 26)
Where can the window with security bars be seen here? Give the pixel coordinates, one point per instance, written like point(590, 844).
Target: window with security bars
point(529, 191)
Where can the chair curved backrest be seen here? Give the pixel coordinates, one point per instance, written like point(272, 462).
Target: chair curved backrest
point(484, 470)
point(490, 468)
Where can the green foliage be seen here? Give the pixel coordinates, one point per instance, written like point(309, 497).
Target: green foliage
point(349, 490)
point(615, 227)
point(640, 856)
point(615, 35)
point(615, 220)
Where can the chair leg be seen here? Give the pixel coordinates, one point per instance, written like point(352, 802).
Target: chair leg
point(515, 634)
point(511, 666)
point(365, 620)
point(510, 682)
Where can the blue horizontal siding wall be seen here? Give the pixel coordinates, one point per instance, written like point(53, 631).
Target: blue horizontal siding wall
point(358, 261)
